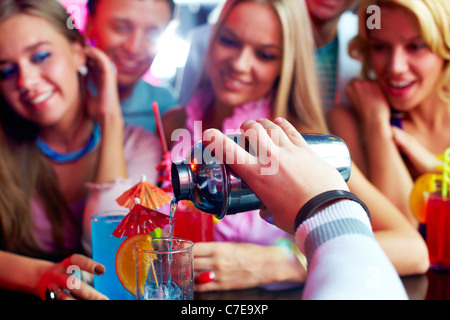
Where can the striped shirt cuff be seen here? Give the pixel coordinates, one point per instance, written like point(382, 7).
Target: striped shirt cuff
point(339, 219)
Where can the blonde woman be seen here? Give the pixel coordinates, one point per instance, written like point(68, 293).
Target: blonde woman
point(55, 138)
point(259, 66)
point(406, 73)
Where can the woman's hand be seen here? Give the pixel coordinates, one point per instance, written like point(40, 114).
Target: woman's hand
point(104, 103)
point(368, 101)
point(421, 159)
point(243, 265)
point(58, 279)
point(104, 108)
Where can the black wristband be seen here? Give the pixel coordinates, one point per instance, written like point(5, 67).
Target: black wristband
point(321, 199)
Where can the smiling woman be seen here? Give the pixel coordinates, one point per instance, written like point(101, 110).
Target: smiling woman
point(406, 71)
point(47, 57)
point(255, 68)
point(56, 138)
point(259, 66)
point(257, 57)
point(246, 55)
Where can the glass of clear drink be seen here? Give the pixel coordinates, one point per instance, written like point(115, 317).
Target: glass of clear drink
point(165, 272)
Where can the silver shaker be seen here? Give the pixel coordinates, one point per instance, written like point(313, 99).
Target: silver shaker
point(214, 188)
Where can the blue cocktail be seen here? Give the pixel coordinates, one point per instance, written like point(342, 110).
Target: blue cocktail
point(104, 249)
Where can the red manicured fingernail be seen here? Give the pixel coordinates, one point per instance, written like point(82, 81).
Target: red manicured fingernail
point(206, 277)
point(99, 269)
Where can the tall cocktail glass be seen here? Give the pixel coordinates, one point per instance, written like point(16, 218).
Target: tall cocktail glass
point(166, 272)
point(104, 248)
point(438, 231)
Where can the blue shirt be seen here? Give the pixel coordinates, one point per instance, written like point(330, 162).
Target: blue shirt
point(326, 62)
point(137, 109)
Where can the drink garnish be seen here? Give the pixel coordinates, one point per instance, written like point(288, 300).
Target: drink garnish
point(140, 219)
point(125, 260)
point(429, 183)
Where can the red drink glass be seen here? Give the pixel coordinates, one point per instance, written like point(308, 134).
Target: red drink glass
point(192, 224)
point(438, 231)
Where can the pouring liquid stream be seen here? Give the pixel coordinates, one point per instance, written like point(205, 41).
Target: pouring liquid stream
point(173, 208)
point(164, 288)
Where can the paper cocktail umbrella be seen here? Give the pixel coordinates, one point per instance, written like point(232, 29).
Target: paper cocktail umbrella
point(149, 195)
point(142, 199)
point(140, 219)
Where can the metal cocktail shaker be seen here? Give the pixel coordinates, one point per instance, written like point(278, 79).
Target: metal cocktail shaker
point(214, 188)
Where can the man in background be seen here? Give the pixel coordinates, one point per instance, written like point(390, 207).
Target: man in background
point(128, 31)
point(334, 24)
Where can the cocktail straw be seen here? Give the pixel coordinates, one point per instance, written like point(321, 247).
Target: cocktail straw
point(159, 127)
point(446, 173)
point(154, 274)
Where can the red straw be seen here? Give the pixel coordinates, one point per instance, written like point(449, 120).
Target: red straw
point(159, 126)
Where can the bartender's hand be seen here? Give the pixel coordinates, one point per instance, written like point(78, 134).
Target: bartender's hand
point(61, 285)
point(301, 174)
point(232, 266)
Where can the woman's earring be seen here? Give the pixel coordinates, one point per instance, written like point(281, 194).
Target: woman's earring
point(371, 74)
point(83, 70)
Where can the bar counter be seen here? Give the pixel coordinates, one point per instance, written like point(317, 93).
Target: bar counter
point(433, 285)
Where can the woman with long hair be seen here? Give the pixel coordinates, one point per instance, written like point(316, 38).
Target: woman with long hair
point(401, 105)
point(259, 65)
point(56, 137)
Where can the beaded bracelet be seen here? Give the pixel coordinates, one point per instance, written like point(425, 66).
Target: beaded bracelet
point(316, 202)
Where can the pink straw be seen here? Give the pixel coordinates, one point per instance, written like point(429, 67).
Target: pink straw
point(159, 126)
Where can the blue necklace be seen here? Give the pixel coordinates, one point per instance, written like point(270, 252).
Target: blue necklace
point(74, 155)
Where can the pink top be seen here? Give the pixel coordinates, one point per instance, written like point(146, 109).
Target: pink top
point(246, 226)
point(142, 152)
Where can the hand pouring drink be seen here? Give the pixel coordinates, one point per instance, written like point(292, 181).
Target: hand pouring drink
point(214, 188)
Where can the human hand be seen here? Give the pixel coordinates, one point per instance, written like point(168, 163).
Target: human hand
point(58, 279)
point(422, 159)
point(105, 103)
point(301, 174)
point(368, 101)
point(243, 265)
